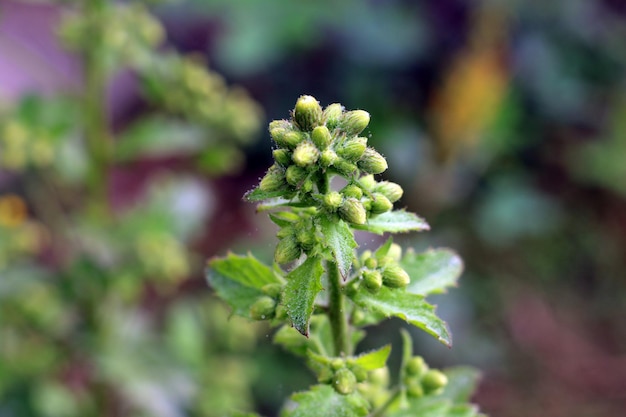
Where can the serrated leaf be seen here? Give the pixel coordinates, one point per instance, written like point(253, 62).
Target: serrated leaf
point(432, 271)
point(340, 241)
point(238, 280)
point(374, 359)
point(324, 401)
point(383, 250)
point(279, 219)
point(409, 307)
point(396, 221)
point(303, 285)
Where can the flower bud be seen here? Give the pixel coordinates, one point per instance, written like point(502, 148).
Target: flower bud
point(273, 180)
point(305, 154)
point(333, 200)
point(416, 366)
point(307, 113)
point(415, 390)
point(328, 158)
point(371, 263)
point(373, 280)
point(263, 308)
point(295, 175)
point(353, 211)
point(380, 377)
point(332, 115)
point(372, 162)
point(285, 231)
point(380, 204)
point(354, 121)
point(337, 363)
point(395, 252)
point(306, 238)
point(395, 277)
point(352, 191)
point(282, 156)
point(433, 381)
point(391, 190)
point(321, 137)
point(278, 129)
point(325, 376)
point(307, 185)
point(344, 381)
point(368, 182)
point(353, 148)
point(287, 250)
point(359, 373)
point(272, 290)
point(344, 167)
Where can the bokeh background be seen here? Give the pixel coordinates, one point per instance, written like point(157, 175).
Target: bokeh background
point(504, 121)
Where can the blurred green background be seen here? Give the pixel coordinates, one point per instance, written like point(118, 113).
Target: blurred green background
point(504, 121)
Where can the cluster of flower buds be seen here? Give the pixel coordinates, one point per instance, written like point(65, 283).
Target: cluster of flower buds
point(376, 270)
point(362, 198)
point(343, 375)
point(314, 141)
point(419, 380)
point(298, 234)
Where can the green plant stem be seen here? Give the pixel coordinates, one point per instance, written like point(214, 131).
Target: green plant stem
point(380, 411)
point(96, 124)
point(336, 311)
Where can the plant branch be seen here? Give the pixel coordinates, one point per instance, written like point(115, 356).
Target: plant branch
point(336, 313)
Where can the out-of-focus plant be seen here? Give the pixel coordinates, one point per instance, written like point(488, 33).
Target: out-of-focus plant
point(321, 294)
point(89, 325)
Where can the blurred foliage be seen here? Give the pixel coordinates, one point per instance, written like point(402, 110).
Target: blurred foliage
point(95, 319)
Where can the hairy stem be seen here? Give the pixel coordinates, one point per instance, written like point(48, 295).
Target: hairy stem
point(97, 136)
point(336, 313)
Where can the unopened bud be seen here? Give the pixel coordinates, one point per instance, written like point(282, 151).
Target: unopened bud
point(353, 148)
point(354, 121)
point(272, 290)
point(395, 277)
point(321, 137)
point(344, 167)
point(395, 252)
point(273, 180)
point(307, 185)
point(285, 231)
point(371, 263)
point(368, 181)
point(359, 373)
point(414, 389)
point(373, 280)
point(307, 113)
point(353, 211)
point(332, 115)
point(263, 308)
point(305, 154)
point(344, 381)
point(306, 238)
point(352, 191)
point(328, 158)
point(391, 190)
point(333, 200)
point(295, 175)
point(380, 204)
point(287, 250)
point(337, 363)
point(279, 130)
point(416, 366)
point(372, 162)
point(433, 381)
point(282, 156)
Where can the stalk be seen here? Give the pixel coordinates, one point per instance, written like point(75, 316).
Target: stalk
point(336, 315)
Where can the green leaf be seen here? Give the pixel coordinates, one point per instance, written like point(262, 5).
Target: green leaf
point(238, 280)
point(340, 241)
point(383, 250)
point(432, 271)
point(259, 195)
point(374, 359)
point(410, 307)
point(319, 341)
point(324, 401)
point(395, 222)
point(303, 285)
